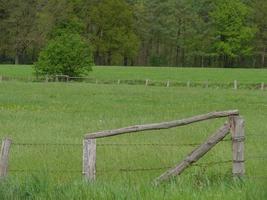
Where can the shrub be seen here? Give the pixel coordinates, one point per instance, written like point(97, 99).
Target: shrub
point(66, 54)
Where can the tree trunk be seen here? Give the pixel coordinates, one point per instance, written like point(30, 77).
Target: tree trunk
point(263, 57)
point(16, 58)
point(202, 61)
point(109, 58)
point(125, 61)
point(177, 60)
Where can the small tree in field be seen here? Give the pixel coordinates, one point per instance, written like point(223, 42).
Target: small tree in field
point(66, 54)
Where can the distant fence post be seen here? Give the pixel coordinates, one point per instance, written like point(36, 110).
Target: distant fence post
point(262, 86)
point(188, 84)
point(235, 84)
point(238, 138)
point(147, 82)
point(89, 159)
point(168, 84)
point(4, 157)
point(206, 84)
point(119, 81)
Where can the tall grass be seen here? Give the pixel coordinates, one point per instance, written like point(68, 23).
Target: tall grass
point(62, 113)
point(217, 75)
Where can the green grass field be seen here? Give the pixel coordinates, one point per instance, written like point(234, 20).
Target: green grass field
point(216, 75)
point(61, 113)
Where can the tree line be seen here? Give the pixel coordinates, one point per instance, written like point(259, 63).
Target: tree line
point(188, 33)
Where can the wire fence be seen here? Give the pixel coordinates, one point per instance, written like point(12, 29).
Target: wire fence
point(249, 157)
point(167, 83)
point(112, 144)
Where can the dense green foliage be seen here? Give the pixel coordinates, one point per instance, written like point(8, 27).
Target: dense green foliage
point(66, 54)
point(197, 33)
point(41, 113)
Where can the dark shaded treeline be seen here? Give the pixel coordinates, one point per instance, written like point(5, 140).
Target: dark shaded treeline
point(193, 33)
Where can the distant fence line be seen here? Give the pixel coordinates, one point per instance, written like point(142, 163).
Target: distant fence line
point(168, 83)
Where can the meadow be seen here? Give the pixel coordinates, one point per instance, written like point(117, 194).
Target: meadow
point(47, 122)
point(213, 75)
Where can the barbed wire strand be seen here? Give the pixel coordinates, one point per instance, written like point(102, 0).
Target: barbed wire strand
point(43, 171)
point(109, 144)
point(161, 168)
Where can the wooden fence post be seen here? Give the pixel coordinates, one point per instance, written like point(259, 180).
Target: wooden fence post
point(206, 84)
point(235, 84)
point(168, 84)
point(89, 159)
point(146, 82)
point(119, 81)
point(188, 84)
point(262, 86)
point(238, 138)
point(4, 157)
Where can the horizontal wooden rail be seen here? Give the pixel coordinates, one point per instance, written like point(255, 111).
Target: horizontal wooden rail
point(163, 125)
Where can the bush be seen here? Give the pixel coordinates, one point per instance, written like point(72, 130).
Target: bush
point(66, 54)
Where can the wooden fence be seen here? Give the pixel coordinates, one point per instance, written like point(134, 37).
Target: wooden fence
point(189, 84)
point(235, 125)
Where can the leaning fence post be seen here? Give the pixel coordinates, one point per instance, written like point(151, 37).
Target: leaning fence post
point(4, 157)
point(238, 138)
point(196, 154)
point(89, 159)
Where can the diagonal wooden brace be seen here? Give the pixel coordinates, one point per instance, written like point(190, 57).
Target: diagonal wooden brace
point(196, 154)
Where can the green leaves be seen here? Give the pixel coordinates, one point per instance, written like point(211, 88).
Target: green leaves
point(232, 32)
point(66, 54)
point(114, 36)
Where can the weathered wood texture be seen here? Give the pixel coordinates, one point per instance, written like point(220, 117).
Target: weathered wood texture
point(238, 138)
point(163, 125)
point(89, 159)
point(196, 154)
point(6, 143)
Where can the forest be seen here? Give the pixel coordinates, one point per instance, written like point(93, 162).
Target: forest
point(181, 33)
